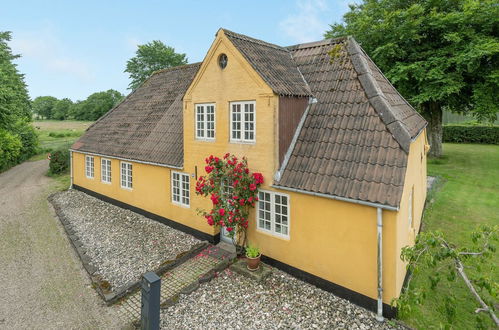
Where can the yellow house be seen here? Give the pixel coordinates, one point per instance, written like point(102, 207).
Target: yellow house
point(342, 153)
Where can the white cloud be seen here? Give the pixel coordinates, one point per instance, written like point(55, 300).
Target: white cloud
point(306, 24)
point(44, 47)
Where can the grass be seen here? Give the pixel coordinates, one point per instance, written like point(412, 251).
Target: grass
point(469, 197)
point(55, 134)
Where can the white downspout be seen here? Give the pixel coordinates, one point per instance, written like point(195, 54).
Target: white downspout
point(379, 315)
point(71, 168)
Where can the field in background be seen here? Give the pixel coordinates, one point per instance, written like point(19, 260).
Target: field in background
point(55, 134)
point(469, 197)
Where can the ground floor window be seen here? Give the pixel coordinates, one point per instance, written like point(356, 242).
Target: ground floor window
point(105, 170)
point(126, 175)
point(273, 213)
point(180, 188)
point(89, 167)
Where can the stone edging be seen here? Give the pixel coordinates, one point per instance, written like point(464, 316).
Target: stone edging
point(102, 286)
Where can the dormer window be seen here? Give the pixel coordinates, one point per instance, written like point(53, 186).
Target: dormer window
point(205, 121)
point(242, 121)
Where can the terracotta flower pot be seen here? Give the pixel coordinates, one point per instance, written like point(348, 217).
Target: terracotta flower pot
point(253, 263)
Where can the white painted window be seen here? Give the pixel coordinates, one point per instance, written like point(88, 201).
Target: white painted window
point(205, 121)
point(126, 175)
point(180, 188)
point(273, 213)
point(409, 207)
point(89, 167)
point(105, 170)
point(227, 189)
point(242, 121)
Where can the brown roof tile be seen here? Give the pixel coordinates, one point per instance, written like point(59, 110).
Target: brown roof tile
point(144, 126)
point(274, 64)
point(358, 156)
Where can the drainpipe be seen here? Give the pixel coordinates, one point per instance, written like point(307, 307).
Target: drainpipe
point(379, 315)
point(71, 168)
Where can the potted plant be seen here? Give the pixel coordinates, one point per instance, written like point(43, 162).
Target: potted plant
point(253, 258)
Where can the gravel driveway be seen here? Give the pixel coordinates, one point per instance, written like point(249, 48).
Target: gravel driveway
point(232, 301)
point(43, 285)
point(121, 244)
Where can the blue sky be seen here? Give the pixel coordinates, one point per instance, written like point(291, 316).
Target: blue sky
point(75, 48)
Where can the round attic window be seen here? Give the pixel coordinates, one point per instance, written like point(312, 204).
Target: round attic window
point(222, 61)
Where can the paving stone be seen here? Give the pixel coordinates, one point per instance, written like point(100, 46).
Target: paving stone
point(258, 275)
point(183, 279)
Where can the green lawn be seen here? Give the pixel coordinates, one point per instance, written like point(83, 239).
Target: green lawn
point(469, 196)
point(54, 134)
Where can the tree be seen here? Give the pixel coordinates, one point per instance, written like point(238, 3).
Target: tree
point(96, 105)
point(14, 98)
point(43, 106)
point(61, 109)
point(439, 54)
point(18, 140)
point(443, 262)
point(151, 57)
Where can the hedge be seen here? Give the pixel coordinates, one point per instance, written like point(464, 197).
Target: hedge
point(471, 134)
point(59, 161)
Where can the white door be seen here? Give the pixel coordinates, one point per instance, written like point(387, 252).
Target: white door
point(224, 236)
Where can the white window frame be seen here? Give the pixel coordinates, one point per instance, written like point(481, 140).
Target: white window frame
point(178, 181)
point(242, 121)
point(105, 170)
point(203, 132)
point(128, 178)
point(273, 224)
point(89, 167)
point(410, 208)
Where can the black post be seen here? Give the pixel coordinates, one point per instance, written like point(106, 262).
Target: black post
point(151, 286)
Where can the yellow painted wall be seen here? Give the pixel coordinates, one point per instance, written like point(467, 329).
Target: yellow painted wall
point(237, 82)
point(334, 240)
point(151, 189)
point(415, 179)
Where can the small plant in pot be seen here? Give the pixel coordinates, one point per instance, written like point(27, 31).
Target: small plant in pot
point(253, 258)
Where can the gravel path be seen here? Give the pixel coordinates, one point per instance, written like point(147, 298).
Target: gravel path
point(43, 285)
point(121, 244)
point(232, 301)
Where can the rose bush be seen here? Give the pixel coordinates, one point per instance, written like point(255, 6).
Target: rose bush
point(233, 190)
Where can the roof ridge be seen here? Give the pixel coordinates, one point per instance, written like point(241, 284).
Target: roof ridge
point(254, 40)
point(375, 95)
point(177, 67)
point(316, 43)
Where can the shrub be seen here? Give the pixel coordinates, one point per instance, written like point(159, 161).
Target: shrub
point(10, 149)
point(233, 190)
point(28, 138)
point(471, 134)
point(59, 161)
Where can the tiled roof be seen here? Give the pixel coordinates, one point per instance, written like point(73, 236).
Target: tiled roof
point(354, 140)
point(274, 64)
point(147, 125)
point(352, 143)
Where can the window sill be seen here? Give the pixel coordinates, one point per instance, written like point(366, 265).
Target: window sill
point(90, 177)
point(181, 205)
point(204, 140)
point(242, 142)
point(126, 188)
point(275, 235)
point(105, 182)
